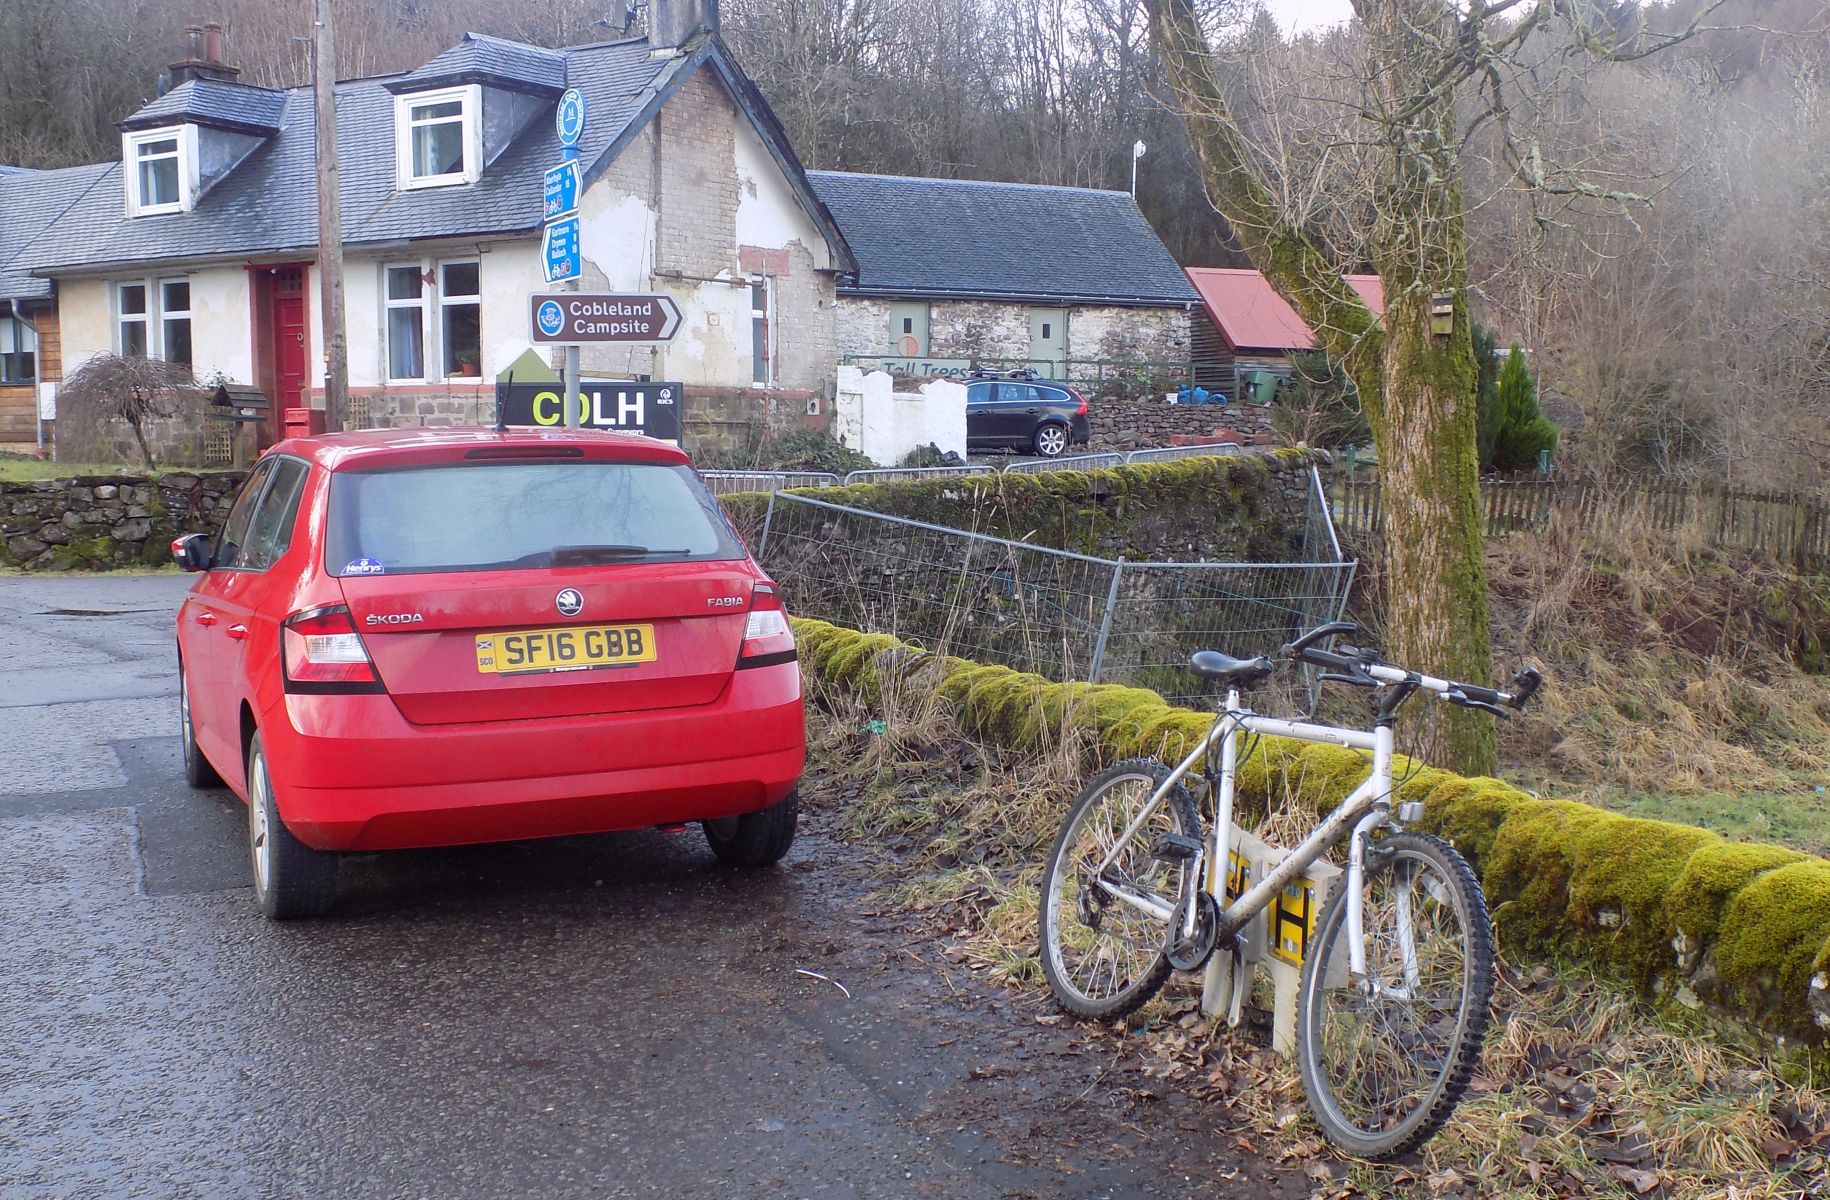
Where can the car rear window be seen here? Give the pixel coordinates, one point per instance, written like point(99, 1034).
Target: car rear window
point(509, 515)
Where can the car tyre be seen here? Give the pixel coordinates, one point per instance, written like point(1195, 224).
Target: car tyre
point(755, 839)
point(197, 769)
point(290, 878)
point(1051, 440)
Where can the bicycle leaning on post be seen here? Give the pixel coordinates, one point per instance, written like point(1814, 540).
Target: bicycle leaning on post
point(1397, 975)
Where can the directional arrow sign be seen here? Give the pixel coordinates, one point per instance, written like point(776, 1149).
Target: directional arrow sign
point(562, 190)
point(577, 318)
point(559, 251)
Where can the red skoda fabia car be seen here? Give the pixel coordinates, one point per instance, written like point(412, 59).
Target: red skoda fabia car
point(432, 637)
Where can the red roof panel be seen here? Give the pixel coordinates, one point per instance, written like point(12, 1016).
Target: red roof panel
point(1252, 316)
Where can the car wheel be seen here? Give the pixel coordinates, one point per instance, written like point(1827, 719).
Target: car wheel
point(1051, 440)
point(197, 769)
point(290, 878)
point(755, 839)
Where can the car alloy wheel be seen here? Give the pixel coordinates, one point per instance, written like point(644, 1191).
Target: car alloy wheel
point(1051, 440)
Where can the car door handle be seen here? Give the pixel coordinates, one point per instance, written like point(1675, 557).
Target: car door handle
point(237, 632)
point(206, 619)
point(1034, 412)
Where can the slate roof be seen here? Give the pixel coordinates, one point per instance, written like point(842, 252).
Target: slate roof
point(1008, 241)
point(1250, 315)
point(482, 59)
point(214, 102)
point(29, 202)
point(267, 204)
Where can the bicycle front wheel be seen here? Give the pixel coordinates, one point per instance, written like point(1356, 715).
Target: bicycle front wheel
point(1386, 1057)
point(1107, 899)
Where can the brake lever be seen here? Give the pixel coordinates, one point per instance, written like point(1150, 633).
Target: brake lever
point(1343, 677)
point(1463, 700)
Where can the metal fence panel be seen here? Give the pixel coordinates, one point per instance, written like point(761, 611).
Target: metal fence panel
point(899, 474)
point(1063, 615)
point(1071, 462)
point(1169, 453)
point(724, 483)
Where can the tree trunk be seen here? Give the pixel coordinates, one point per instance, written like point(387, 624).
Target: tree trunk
point(1418, 388)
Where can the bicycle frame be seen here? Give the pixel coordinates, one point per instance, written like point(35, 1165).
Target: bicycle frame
point(1364, 810)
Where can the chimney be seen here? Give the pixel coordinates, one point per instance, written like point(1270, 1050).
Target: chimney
point(672, 23)
point(203, 56)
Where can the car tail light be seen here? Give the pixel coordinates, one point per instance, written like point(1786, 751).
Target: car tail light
point(320, 651)
point(1082, 410)
point(767, 639)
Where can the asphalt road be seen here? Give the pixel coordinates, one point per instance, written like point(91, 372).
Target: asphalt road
point(610, 1016)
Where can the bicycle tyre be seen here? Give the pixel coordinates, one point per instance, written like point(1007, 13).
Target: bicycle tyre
point(1342, 1069)
point(1114, 797)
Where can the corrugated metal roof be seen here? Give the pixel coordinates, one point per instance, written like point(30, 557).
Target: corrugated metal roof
point(1252, 316)
point(966, 238)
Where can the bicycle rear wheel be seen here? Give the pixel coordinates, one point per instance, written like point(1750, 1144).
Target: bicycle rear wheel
point(1103, 955)
point(1385, 1059)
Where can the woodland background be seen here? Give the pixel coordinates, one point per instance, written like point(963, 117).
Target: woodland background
point(1684, 335)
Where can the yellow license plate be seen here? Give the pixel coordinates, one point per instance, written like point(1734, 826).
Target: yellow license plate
point(522, 651)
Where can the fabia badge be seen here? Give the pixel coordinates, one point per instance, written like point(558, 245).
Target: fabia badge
point(569, 602)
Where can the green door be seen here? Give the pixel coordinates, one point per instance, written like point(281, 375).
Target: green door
point(1048, 341)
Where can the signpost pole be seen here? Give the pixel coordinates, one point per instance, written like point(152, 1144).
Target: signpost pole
point(574, 417)
point(569, 121)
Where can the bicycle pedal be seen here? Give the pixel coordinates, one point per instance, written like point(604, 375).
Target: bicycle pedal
point(1173, 847)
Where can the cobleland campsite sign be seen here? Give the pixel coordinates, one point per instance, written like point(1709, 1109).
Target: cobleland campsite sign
point(650, 408)
point(589, 318)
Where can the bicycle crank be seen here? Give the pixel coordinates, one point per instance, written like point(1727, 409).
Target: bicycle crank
point(1188, 954)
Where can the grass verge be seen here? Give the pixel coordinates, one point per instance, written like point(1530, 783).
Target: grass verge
point(1580, 1092)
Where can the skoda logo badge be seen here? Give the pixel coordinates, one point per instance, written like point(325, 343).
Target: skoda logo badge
point(551, 318)
point(569, 602)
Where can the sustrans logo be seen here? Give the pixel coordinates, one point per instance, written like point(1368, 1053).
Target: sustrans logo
point(569, 602)
point(394, 619)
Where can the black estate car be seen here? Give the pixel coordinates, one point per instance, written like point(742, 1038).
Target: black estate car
point(1021, 414)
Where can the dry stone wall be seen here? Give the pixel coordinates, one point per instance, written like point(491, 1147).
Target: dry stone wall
point(1138, 424)
point(102, 522)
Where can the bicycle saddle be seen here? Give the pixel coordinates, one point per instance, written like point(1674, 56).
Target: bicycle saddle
point(1223, 668)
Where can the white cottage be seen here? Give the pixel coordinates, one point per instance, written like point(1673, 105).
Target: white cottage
point(199, 245)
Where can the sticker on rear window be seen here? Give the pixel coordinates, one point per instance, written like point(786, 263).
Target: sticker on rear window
point(363, 566)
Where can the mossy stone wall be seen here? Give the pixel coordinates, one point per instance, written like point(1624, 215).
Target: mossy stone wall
point(102, 522)
point(1739, 932)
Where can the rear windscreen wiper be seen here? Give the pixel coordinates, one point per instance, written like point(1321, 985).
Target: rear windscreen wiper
point(563, 555)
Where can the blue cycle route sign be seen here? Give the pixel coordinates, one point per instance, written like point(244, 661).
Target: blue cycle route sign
point(569, 121)
point(562, 190)
point(559, 251)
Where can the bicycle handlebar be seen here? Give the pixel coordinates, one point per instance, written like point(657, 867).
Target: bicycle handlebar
point(1362, 668)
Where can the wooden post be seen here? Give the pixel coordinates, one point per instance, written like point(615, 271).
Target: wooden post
point(330, 224)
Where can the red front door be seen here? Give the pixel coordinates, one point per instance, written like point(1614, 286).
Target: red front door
point(290, 338)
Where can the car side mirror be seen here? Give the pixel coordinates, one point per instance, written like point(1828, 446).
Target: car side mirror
point(193, 552)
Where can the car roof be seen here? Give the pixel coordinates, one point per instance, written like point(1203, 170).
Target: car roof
point(371, 448)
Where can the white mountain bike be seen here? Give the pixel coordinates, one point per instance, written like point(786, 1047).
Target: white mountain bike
point(1397, 974)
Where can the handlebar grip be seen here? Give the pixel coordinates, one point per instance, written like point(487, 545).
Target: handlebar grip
point(1525, 685)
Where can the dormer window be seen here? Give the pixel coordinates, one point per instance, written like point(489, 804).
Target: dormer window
point(161, 169)
point(438, 137)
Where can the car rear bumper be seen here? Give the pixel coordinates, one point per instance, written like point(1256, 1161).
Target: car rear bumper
point(1080, 430)
point(350, 773)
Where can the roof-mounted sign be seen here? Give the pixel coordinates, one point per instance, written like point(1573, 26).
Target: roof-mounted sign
point(569, 121)
point(577, 318)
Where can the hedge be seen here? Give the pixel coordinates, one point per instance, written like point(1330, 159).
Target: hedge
point(1739, 931)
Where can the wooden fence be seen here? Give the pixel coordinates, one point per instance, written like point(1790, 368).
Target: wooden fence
point(1791, 530)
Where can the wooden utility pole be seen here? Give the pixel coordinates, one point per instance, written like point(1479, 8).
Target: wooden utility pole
point(330, 223)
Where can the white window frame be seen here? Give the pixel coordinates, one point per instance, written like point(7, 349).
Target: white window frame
point(431, 303)
point(188, 178)
point(763, 372)
point(388, 307)
point(155, 314)
point(470, 112)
